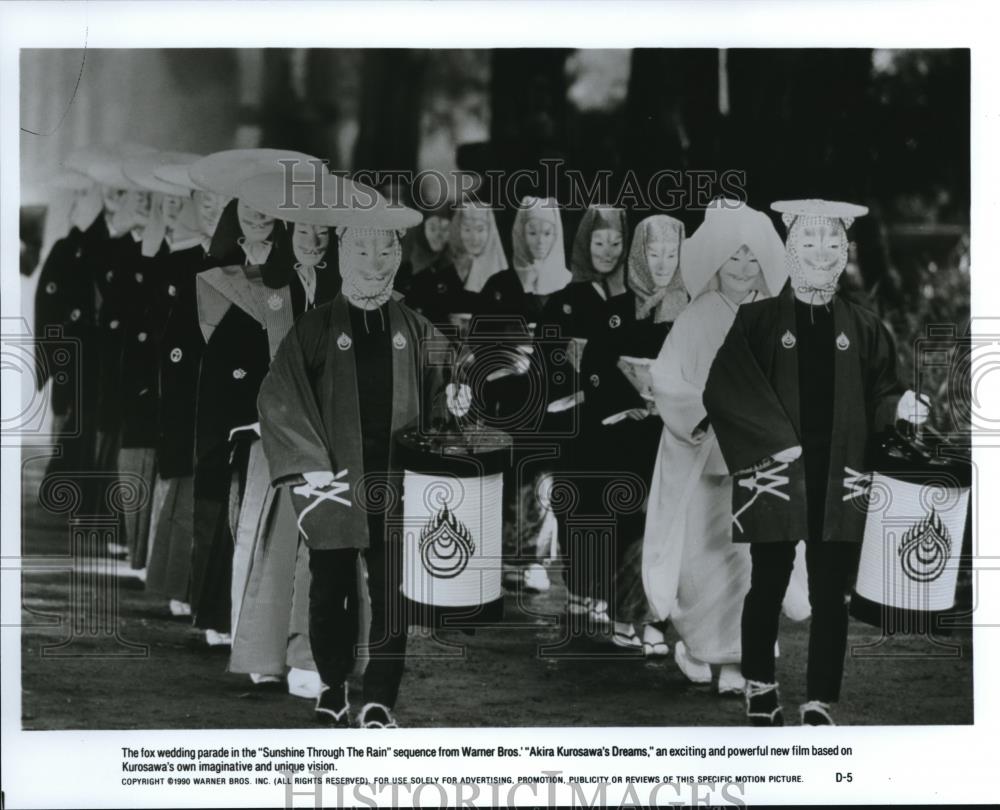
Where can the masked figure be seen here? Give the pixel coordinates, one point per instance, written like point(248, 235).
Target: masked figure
point(346, 379)
point(619, 431)
point(693, 574)
point(799, 386)
point(596, 300)
point(424, 245)
point(245, 308)
point(190, 215)
point(450, 288)
point(65, 299)
point(270, 582)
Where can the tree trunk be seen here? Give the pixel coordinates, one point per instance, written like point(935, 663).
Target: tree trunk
point(389, 119)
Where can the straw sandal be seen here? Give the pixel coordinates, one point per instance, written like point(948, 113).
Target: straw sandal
point(376, 715)
point(654, 643)
point(624, 635)
point(332, 706)
point(763, 708)
point(816, 713)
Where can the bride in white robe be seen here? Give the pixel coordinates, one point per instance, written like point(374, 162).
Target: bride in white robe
point(692, 571)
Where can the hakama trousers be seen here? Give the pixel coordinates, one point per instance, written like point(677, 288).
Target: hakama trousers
point(107, 446)
point(264, 575)
point(611, 486)
point(334, 596)
point(831, 568)
point(169, 569)
point(137, 471)
point(211, 566)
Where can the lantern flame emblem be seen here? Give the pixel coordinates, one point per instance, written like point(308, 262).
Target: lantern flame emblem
point(445, 545)
point(924, 549)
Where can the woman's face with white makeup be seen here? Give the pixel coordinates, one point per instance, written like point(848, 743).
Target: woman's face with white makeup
point(662, 256)
point(540, 235)
point(309, 243)
point(208, 207)
point(256, 226)
point(436, 231)
point(606, 246)
point(474, 233)
point(171, 205)
point(738, 274)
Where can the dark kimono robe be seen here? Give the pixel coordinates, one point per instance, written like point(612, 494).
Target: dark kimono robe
point(142, 326)
point(577, 310)
point(114, 263)
point(619, 457)
point(180, 346)
point(752, 398)
point(309, 414)
point(504, 295)
point(66, 310)
point(233, 365)
point(438, 292)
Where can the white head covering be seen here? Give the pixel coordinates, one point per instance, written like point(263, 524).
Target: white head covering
point(547, 275)
point(155, 231)
point(666, 301)
point(78, 204)
point(728, 225)
point(125, 219)
point(488, 263)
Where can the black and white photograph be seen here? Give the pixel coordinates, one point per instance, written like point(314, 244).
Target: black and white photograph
point(442, 388)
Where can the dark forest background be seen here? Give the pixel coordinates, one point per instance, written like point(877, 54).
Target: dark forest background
point(889, 129)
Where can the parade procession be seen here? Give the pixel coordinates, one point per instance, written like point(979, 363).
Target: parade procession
point(343, 423)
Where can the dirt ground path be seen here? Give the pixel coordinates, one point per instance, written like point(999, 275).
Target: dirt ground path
point(156, 672)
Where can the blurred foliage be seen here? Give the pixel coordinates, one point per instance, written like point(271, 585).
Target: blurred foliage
point(931, 324)
point(456, 93)
point(920, 134)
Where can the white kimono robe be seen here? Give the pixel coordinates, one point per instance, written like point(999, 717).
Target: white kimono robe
point(692, 571)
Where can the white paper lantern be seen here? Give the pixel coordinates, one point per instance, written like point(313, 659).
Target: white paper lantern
point(451, 526)
point(911, 548)
point(452, 540)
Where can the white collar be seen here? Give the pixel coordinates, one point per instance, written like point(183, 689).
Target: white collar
point(256, 252)
point(307, 275)
point(182, 244)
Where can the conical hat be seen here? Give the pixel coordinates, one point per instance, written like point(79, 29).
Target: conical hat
point(103, 163)
point(70, 180)
point(142, 170)
point(223, 172)
point(177, 174)
point(324, 199)
point(793, 209)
